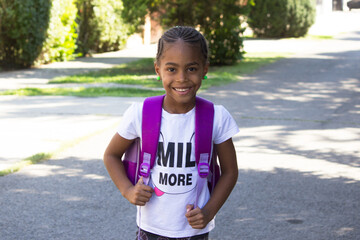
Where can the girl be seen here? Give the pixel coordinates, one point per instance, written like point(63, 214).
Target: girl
point(168, 211)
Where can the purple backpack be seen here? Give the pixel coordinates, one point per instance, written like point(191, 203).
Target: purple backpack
point(139, 161)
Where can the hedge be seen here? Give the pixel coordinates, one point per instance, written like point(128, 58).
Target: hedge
point(101, 28)
point(23, 28)
point(281, 18)
point(60, 43)
point(219, 21)
point(42, 31)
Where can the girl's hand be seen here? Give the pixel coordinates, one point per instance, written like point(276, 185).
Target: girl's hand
point(197, 218)
point(139, 194)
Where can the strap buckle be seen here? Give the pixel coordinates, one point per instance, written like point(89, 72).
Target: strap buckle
point(145, 166)
point(203, 169)
point(203, 166)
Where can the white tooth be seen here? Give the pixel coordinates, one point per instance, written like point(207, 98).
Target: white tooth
point(181, 89)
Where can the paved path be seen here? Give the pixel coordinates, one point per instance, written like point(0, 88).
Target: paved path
point(39, 77)
point(298, 154)
point(299, 147)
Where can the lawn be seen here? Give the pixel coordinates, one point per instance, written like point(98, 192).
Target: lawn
point(142, 74)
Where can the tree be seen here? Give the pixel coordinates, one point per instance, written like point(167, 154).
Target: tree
point(281, 18)
point(101, 27)
point(219, 21)
point(23, 27)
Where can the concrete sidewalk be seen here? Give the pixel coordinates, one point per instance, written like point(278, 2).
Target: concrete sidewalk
point(32, 125)
point(40, 76)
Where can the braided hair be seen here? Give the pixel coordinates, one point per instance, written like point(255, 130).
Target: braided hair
point(188, 35)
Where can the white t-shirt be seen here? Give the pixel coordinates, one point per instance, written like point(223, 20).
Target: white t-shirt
point(174, 175)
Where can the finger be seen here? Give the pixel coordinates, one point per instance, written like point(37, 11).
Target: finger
point(192, 212)
point(197, 222)
point(145, 194)
point(143, 199)
point(140, 203)
point(199, 226)
point(141, 180)
point(144, 186)
point(189, 207)
point(147, 188)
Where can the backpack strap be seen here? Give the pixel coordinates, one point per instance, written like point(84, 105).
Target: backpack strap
point(204, 120)
point(151, 122)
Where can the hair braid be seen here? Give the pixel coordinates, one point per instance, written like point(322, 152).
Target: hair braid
point(187, 34)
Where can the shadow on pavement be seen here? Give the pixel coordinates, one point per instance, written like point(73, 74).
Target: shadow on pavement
point(282, 205)
point(68, 198)
point(74, 198)
point(80, 65)
point(300, 106)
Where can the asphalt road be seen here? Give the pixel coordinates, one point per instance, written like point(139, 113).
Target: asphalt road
point(298, 153)
point(299, 147)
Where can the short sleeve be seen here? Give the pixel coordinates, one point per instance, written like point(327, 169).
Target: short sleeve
point(130, 125)
point(225, 126)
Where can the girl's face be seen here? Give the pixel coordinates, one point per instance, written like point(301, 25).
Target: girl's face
point(181, 69)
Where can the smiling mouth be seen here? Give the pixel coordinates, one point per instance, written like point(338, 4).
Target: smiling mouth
point(182, 89)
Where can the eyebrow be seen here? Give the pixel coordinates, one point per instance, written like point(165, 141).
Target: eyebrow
point(187, 65)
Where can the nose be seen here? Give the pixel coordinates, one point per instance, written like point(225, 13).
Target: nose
point(181, 76)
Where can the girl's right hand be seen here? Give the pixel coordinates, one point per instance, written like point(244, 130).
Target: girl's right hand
point(139, 194)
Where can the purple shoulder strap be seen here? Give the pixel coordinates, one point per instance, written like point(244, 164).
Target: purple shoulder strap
point(204, 119)
point(151, 122)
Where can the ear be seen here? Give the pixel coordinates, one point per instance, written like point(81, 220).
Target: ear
point(206, 68)
point(157, 68)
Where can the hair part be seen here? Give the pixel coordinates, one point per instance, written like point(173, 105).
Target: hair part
point(188, 35)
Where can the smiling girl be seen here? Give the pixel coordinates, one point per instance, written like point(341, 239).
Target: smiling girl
point(168, 210)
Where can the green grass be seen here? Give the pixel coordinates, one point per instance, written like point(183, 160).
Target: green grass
point(139, 72)
point(227, 74)
point(84, 92)
point(308, 36)
point(142, 73)
point(319, 37)
point(39, 157)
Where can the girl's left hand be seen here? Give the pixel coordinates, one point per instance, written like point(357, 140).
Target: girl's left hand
point(197, 218)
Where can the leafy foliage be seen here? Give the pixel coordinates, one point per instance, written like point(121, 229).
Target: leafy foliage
point(222, 28)
point(23, 28)
point(219, 21)
point(281, 18)
point(36, 31)
point(135, 13)
point(101, 27)
point(60, 43)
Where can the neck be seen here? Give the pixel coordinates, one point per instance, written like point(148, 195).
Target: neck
point(174, 107)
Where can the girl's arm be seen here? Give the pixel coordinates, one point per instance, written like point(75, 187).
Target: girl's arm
point(199, 218)
point(139, 194)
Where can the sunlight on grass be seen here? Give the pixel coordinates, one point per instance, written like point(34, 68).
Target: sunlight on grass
point(139, 72)
point(252, 62)
point(84, 92)
point(142, 73)
point(39, 157)
point(319, 37)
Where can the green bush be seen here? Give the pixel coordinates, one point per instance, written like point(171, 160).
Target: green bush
point(281, 18)
point(23, 27)
point(219, 21)
point(60, 43)
point(36, 31)
point(101, 27)
point(222, 29)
